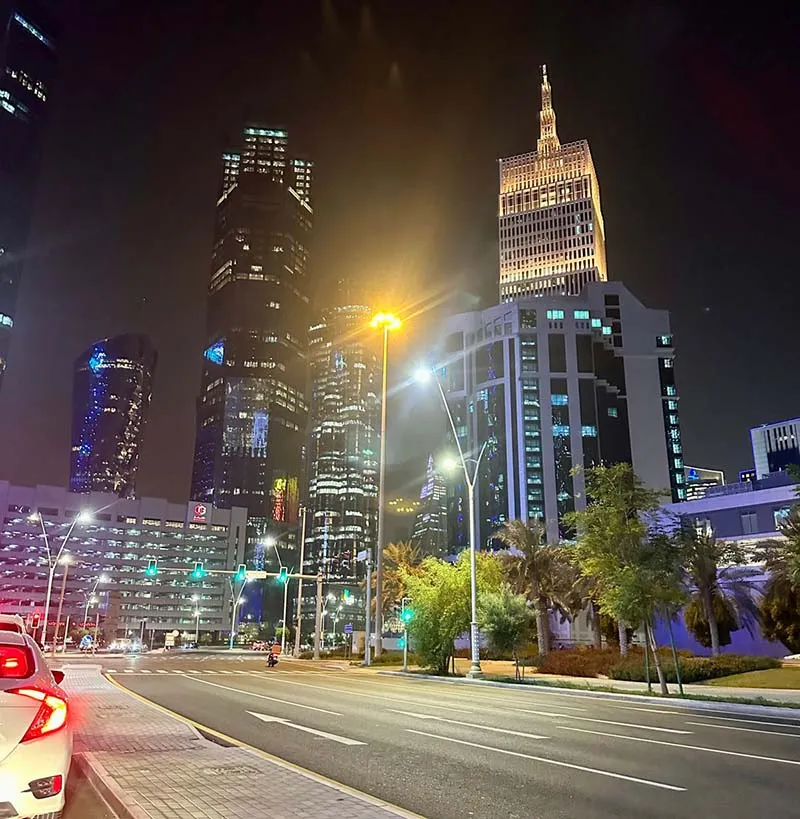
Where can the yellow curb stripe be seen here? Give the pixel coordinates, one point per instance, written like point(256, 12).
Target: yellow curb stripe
point(275, 760)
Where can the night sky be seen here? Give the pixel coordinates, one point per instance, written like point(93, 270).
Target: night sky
point(691, 111)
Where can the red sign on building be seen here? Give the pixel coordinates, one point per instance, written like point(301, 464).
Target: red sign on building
point(199, 512)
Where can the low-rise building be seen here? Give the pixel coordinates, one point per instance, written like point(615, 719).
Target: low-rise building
point(118, 538)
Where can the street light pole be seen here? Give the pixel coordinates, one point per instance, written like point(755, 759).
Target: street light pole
point(101, 578)
point(65, 560)
point(285, 601)
point(235, 619)
point(368, 614)
point(318, 618)
point(300, 582)
point(471, 480)
point(387, 322)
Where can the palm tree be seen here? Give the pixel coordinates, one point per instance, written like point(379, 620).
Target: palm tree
point(538, 570)
point(780, 606)
point(397, 557)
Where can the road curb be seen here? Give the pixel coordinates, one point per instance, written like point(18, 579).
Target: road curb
point(672, 702)
point(102, 782)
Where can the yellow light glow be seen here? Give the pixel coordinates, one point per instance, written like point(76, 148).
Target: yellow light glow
point(385, 320)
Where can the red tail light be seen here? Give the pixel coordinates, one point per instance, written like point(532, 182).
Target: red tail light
point(51, 716)
point(14, 663)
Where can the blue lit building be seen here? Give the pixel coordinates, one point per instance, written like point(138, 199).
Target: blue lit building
point(112, 387)
point(28, 63)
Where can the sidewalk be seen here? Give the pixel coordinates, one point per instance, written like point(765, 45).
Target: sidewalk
point(149, 765)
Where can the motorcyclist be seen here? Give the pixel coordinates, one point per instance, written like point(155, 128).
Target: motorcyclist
point(274, 651)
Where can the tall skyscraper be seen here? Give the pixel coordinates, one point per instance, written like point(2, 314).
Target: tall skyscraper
point(430, 527)
point(112, 386)
point(252, 411)
point(552, 239)
point(345, 438)
point(555, 383)
point(28, 63)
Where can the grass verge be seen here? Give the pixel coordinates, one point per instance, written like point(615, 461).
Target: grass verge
point(787, 678)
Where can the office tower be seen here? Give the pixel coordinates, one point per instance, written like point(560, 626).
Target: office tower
point(430, 527)
point(345, 438)
point(552, 239)
point(28, 62)
point(699, 480)
point(252, 410)
point(775, 446)
point(555, 383)
point(112, 386)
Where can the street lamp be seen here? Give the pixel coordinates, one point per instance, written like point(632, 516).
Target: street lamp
point(284, 578)
point(90, 598)
point(424, 375)
point(196, 601)
point(235, 618)
point(65, 561)
point(386, 322)
point(52, 560)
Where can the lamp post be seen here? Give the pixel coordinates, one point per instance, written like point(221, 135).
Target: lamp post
point(66, 559)
point(196, 601)
point(90, 598)
point(274, 543)
point(52, 560)
point(424, 375)
point(235, 619)
point(386, 322)
point(300, 581)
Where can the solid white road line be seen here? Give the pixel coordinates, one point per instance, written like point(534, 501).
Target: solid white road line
point(680, 745)
point(161, 671)
point(469, 724)
point(145, 671)
point(192, 671)
point(557, 762)
point(265, 697)
point(604, 721)
point(323, 734)
point(751, 721)
point(749, 730)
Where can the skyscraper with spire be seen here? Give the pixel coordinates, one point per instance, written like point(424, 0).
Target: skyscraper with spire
point(430, 527)
point(552, 239)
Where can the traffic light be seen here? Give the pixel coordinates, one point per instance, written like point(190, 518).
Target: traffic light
point(152, 568)
point(401, 642)
point(347, 596)
point(407, 615)
point(199, 572)
point(241, 573)
point(35, 620)
point(283, 576)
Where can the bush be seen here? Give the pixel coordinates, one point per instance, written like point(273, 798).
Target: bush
point(581, 662)
point(693, 669)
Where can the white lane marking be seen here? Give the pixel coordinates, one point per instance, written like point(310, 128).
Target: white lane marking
point(604, 721)
point(265, 697)
point(752, 721)
point(680, 745)
point(749, 730)
point(469, 724)
point(145, 671)
point(323, 734)
point(557, 762)
point(221, 671)
point(357, 694)
point(111, 671)
point(161, 671)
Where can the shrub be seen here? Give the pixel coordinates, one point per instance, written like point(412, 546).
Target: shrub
point(394, 658)
point(693, 669)
point(580, 662)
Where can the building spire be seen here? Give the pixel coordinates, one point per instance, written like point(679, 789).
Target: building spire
point(548, 138)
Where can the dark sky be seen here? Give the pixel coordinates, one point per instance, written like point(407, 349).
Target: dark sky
point(691, 111)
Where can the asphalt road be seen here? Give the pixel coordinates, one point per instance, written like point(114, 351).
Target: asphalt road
point(444, 750)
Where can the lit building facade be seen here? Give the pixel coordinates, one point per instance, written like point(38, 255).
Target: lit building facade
point(28, 64)
point(552, 239)
point(118, 540)
point(430, 534)
point(775, 446)
point(252, 412)
point(112, 388)
point(555, 383)
point(699, 480)
point(345, 440)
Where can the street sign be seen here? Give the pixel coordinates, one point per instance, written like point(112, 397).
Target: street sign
point(348, 628)
point(362, 555)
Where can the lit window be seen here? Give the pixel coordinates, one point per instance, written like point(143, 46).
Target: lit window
point(596, 322)
point(33, 30)
point(6, 321)
point(612, 412)
point(581, 315)
point(606, 331)
point(672, 404)
point(560, 430)
point(589, 431)
point(671, 390)
point(555, 315)
point(559, 400)
point(669, 363)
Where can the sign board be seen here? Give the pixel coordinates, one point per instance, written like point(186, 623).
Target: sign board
point(348, 628)
point(362, 555)
point(199, 512)
point(169, 639)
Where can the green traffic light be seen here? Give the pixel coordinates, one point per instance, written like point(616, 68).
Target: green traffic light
point(402, 642)
point(407, 615)
point(199, 572)
point(241, 574)
point(283, 577)
point(152, 568)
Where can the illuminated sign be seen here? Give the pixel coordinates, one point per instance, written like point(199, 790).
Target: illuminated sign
point(199, 512)
point(216, 352)
point(97, 360)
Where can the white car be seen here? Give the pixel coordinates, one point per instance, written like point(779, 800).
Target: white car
point(12, 622)
point(35, 732)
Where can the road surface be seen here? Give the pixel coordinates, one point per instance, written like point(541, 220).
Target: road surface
point(447, 751)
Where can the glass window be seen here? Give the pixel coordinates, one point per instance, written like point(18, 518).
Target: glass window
point(589, 431)
point(606, 331)
point(555, 315)
point(597, 323)
point(613, 412)
point(559, 400)
point(581, 315)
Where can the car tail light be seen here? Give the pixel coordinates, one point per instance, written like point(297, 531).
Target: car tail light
point(49, 786)
point(14, 663)
point(51, 716)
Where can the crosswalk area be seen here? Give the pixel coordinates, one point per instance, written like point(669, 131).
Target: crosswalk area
point(183, 672)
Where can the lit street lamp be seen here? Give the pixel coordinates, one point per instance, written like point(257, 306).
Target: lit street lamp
point(424, 375)
point(273, 541)
point(52, 560)
point(90, 598)
point(196, 601)
point(235, 619)
point(386, 322)
point(65, 560)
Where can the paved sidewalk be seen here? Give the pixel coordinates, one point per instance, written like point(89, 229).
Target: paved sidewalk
point(152, 766)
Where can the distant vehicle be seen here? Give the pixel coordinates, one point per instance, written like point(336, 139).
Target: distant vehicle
point(36, 741)
point(189, 645)
point(126, 646)
point(12, 622)
point(259, 645)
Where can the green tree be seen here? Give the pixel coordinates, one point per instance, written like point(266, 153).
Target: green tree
point(506, 621)
point(440, 592)
point(780, 605)
point(538, 570)
point(399, 560)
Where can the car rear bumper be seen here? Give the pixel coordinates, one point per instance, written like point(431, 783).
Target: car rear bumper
point(48, 756)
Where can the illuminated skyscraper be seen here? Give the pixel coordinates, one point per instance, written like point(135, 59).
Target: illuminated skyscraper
point(345, 438)
point(112, 385)
point(552, 240)
point(430, 527)
point(27, 71)
point(252, 411)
